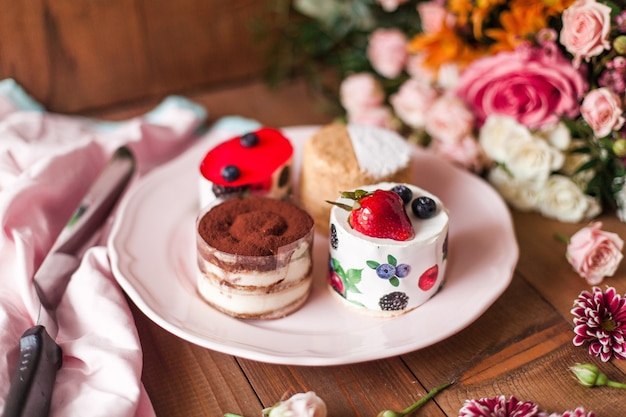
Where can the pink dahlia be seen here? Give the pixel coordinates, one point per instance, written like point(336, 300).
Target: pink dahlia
point(578, 412)
point(500, 407)
point(600, 320)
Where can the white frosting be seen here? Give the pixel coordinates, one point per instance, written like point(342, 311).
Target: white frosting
point(354, 250)
point(379, 152)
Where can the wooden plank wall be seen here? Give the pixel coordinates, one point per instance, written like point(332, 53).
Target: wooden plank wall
point(80, 56)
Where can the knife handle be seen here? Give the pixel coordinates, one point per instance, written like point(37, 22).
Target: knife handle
point(31, 387)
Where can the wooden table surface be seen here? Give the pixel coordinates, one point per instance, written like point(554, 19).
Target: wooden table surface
point(521, 346)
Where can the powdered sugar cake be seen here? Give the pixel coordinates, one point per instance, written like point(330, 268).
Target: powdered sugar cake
point(342, 157)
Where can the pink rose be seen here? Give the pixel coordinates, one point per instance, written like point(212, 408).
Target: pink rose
point(412, 101)
point(416, 69)
point(360, 91)
point(380, 116)
point(390, 5)
point(594, 253)
point(302, 404)
point(602, 109)
point(467, 153)
point(387, 52)
point(449, 119)
point(533, 85)
point(586, 27)
point(434, 16)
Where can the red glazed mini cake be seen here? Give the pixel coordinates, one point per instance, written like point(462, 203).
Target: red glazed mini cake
point(256, 163)
point(388, 248)
point(255, 257)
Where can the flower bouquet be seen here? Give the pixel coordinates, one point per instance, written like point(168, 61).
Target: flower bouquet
point(528, 93)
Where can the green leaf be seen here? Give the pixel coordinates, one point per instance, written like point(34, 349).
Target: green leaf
point(394, 281)
point(352, 288)
point(353, 276)
point(357, 303)
point(393, 261)
point(590, 164)
point(339, 270)
point(372, 264)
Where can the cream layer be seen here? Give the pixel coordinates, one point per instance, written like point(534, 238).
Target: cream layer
point(259, 302)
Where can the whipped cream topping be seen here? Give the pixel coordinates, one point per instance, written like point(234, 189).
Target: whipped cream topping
point(425, 230)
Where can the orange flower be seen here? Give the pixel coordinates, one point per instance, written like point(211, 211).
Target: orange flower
point(517, 25)
point(461, 9)
point(481, 13)
point(444, 47)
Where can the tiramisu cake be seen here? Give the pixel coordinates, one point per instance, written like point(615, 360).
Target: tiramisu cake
point(341, 157)
point(255, 256)
point(255, 163)
point(388, 247)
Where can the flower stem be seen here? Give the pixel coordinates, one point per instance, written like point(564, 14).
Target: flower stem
point(561, 238)
point(615, 384)
point(425, 398)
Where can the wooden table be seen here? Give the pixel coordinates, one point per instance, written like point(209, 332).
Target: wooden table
point(521, 346)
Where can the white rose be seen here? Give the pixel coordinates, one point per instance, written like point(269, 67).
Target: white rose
point(522, 195)
point(563, 200)
point(306, 404)
point(557, 135)
point(498, 134)
point(532, 159)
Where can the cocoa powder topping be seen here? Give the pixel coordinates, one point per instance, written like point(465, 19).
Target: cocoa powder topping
point(253, 226)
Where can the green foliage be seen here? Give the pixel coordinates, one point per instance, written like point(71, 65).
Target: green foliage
point(326, 51)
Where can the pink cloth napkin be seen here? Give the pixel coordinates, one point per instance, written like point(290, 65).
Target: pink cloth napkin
point(47, 162)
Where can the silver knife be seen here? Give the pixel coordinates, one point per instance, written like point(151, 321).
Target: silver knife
point(40, 357)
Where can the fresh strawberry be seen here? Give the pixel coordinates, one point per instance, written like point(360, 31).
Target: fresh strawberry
point(428, 278)
point(379, 214)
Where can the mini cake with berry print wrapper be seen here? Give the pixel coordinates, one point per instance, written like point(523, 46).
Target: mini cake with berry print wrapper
point(256, 163)
point(388, 248)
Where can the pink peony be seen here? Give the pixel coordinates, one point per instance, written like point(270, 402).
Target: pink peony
point(360, 91)
point(412, 101)
point(586, 27)
point(594, 253)
point(533, 85)
point(387, 52)
point(602, 109)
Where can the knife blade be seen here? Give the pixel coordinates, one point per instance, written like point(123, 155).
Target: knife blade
point(40, 357)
